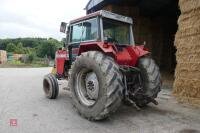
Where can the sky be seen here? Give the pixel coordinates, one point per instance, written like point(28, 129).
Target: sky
point(37, 18)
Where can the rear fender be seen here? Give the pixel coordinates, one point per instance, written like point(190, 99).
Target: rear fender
point(129, 56)
point(137, 52)
point(108, 49)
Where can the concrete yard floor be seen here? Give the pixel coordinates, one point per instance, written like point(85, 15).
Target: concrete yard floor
point(22, 98)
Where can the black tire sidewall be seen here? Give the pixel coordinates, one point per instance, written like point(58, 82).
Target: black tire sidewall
point(97, 108)
point(50, 92)
point(145, 75)
point(54, 88)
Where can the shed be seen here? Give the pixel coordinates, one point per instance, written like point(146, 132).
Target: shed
point(160, 23)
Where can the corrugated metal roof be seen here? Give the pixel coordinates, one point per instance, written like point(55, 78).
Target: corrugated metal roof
point(147, 7)
point(93, 3)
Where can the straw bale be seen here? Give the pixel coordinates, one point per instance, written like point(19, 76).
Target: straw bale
point(17, 56)
point(187, 75)
point(193, 101)
point(3, 56)
point(183, 86)
point(188, 15)
point(191, 51)
point(189, 5)
point(185, 58)
point(187, 41)
point(189, 31)
point(193, 21)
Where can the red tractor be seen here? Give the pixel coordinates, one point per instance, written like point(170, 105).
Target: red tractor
point(103, 66)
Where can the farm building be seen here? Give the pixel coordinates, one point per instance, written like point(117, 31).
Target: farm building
point(171, 30)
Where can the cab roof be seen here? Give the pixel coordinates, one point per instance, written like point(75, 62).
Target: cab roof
point(105, 14)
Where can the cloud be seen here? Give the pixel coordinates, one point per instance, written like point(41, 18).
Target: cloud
point(37, 18)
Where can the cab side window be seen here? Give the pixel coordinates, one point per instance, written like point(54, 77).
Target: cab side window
point(84, 31)
point(76, 33)
point(90, 30)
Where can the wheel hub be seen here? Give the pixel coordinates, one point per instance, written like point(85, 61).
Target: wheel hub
point(87, 87)
point(92, 85)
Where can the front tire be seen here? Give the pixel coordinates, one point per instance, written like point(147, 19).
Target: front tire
point(50, 86)
point(105, 92)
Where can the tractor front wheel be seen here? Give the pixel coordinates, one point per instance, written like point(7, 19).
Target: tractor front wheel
point(96, 85)
point(50, 86)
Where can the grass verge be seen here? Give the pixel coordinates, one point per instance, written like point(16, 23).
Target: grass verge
point(18, 64)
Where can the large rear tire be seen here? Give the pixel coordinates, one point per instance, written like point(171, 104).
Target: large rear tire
point(151, 80)
point(105, 92)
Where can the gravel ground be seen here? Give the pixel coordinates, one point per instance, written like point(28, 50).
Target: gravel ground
point(22, 98)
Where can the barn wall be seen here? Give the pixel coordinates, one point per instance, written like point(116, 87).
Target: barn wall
point(157, 32)
point(187, 76)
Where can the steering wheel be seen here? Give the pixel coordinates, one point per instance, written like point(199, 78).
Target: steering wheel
point(112, 40)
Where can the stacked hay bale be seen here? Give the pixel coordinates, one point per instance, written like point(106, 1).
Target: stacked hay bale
point(3, 56)
point(187, 42)
point(17, 56)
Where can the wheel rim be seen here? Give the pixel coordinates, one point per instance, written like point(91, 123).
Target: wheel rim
point(87, 87)
point(46, 87)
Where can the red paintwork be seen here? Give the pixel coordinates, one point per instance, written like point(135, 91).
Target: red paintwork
point(130, 55)
point(61, 56)
point(96, 46)
point(127, 56)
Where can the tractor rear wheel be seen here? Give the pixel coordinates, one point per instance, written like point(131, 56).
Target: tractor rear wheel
point(151, 80)
point(96, 85)
point(50, 86)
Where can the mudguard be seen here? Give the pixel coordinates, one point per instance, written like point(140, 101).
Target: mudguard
point(127, 56)
point(98, 46)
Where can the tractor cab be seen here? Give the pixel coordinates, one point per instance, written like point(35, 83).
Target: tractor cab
point(102, 31)
point(96, 31)
point(101, 26)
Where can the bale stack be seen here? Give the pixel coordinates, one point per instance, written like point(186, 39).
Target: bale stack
point(3, 56)
point(187, 42)
point(17, 56)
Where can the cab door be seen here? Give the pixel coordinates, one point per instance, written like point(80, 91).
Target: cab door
point(84, 31)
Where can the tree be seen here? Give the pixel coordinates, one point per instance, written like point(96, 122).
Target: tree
point(40, 46)
point(20, 49)
point(48, 48)
point(31, 57)
point(11, 47)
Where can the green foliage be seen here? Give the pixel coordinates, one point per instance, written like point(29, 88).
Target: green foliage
point(48, 48)
point(31, 57)
point(19, 48)
point(10, 47)
point(16, 62)
point(40, 47)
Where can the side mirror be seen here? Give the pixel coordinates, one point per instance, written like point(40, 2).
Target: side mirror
point(63, 27)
